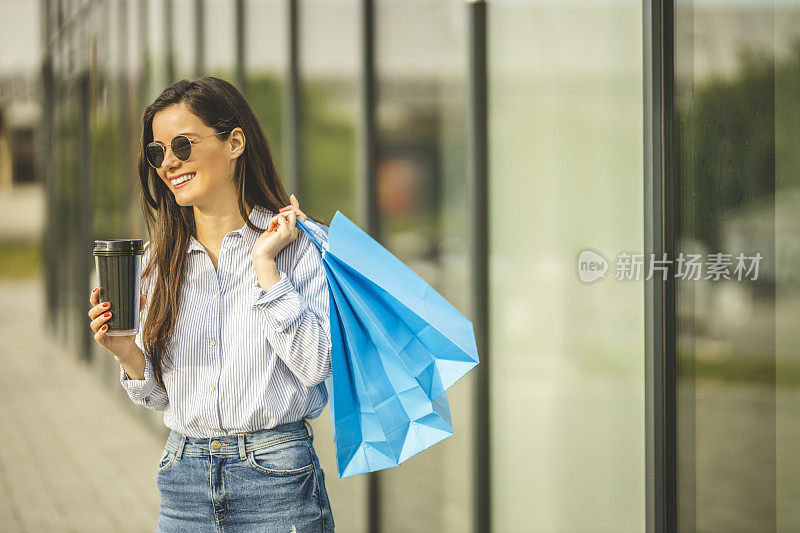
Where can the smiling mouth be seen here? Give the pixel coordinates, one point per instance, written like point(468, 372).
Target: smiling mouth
point(182, 179)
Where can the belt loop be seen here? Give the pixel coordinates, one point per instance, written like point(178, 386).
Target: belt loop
point(310, 429)
point(242, 455)
point(181, 445)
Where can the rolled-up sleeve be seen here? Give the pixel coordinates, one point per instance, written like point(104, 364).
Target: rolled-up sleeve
point(145, 392)
point(295, 315)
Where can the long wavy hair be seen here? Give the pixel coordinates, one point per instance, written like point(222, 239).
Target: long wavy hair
point(170, 226)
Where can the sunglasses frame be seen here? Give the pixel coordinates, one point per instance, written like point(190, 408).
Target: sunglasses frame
point(191, 142)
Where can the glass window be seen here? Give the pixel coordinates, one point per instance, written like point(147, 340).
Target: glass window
point(157, 54)
point(220, 47)
point(266, 61)
point(787, 257)
point(565, 168)
point(329, 71)
point(183, 25)
point(329, 66)
point(421, 173)
point(736, 103)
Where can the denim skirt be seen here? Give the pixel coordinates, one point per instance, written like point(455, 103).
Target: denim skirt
point(269, 481)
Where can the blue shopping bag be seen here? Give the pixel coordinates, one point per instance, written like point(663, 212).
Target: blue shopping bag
point(397, 345)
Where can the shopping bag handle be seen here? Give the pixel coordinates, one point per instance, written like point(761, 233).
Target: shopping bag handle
point(322, 245)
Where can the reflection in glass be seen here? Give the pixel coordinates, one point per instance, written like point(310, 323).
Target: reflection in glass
point(265, 69)
point(421, 146)
point(220, 48)
point(183, 38)
point(157, 62)
point(736, 86)
point(328, 48)
point(565, 167)
point(787, 257)
point(329, 70)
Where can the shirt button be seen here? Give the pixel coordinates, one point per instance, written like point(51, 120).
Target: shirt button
point(216, 445)
point(212, 388)
point(147, 398)
point(213, 342)
point(216, 295)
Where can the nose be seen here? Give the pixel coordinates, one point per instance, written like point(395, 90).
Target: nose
point(170, 161)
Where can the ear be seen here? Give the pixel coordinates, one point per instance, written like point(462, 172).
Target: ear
point(237, 142)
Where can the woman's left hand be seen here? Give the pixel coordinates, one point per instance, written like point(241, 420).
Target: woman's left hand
point(279, 233)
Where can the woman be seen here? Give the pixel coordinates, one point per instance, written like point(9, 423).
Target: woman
point(235, 339)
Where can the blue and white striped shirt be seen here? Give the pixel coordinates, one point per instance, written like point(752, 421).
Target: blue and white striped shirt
point(243, 359)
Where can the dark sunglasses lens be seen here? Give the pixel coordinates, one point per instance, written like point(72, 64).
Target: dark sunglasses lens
point(155, 154)
point(181, 147)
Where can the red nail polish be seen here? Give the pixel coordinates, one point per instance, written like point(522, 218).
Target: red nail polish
point(104, 327)
point(105, 304)
point(94, 290)
point(106, 315)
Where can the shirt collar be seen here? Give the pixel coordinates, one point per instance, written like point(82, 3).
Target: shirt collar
point(259, 216)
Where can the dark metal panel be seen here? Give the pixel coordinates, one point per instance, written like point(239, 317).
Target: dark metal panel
point(659, 202)
point(144, 85)
point(368, 140)
point(367, 194)
point(47, 168)
point(293, 112)
point(124, 109)
point(241, 81)
point(169, 43)
point(85, 210)
point(199, 37)
point(477, 191)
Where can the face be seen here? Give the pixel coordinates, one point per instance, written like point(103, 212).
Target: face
point(212, 161)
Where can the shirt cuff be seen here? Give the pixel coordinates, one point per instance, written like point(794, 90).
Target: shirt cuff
point(133, 385)
point(261, 297)
point(281, 305)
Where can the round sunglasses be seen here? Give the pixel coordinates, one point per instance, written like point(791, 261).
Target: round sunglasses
point(181, 146)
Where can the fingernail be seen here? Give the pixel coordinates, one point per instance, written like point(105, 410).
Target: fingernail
point(105, 304)
point(93, 290)
point(104, 327)
point(106, 315)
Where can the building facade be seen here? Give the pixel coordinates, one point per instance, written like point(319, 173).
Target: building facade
point(554, 169)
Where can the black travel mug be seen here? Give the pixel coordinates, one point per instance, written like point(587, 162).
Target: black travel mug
point(119, 264)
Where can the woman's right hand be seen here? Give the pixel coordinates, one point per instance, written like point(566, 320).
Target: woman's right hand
point(120, 347)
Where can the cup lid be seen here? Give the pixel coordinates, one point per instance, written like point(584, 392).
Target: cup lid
point(119, 246)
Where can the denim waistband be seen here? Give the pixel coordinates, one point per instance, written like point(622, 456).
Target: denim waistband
point(238, 444)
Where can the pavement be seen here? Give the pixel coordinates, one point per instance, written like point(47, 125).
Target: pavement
point(73, 456)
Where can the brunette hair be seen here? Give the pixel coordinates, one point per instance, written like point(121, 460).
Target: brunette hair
point(170, 226)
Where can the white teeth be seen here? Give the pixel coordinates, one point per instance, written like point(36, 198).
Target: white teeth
point(183, 178)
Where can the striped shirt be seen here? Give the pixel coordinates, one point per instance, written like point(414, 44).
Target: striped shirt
point(243, 359)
